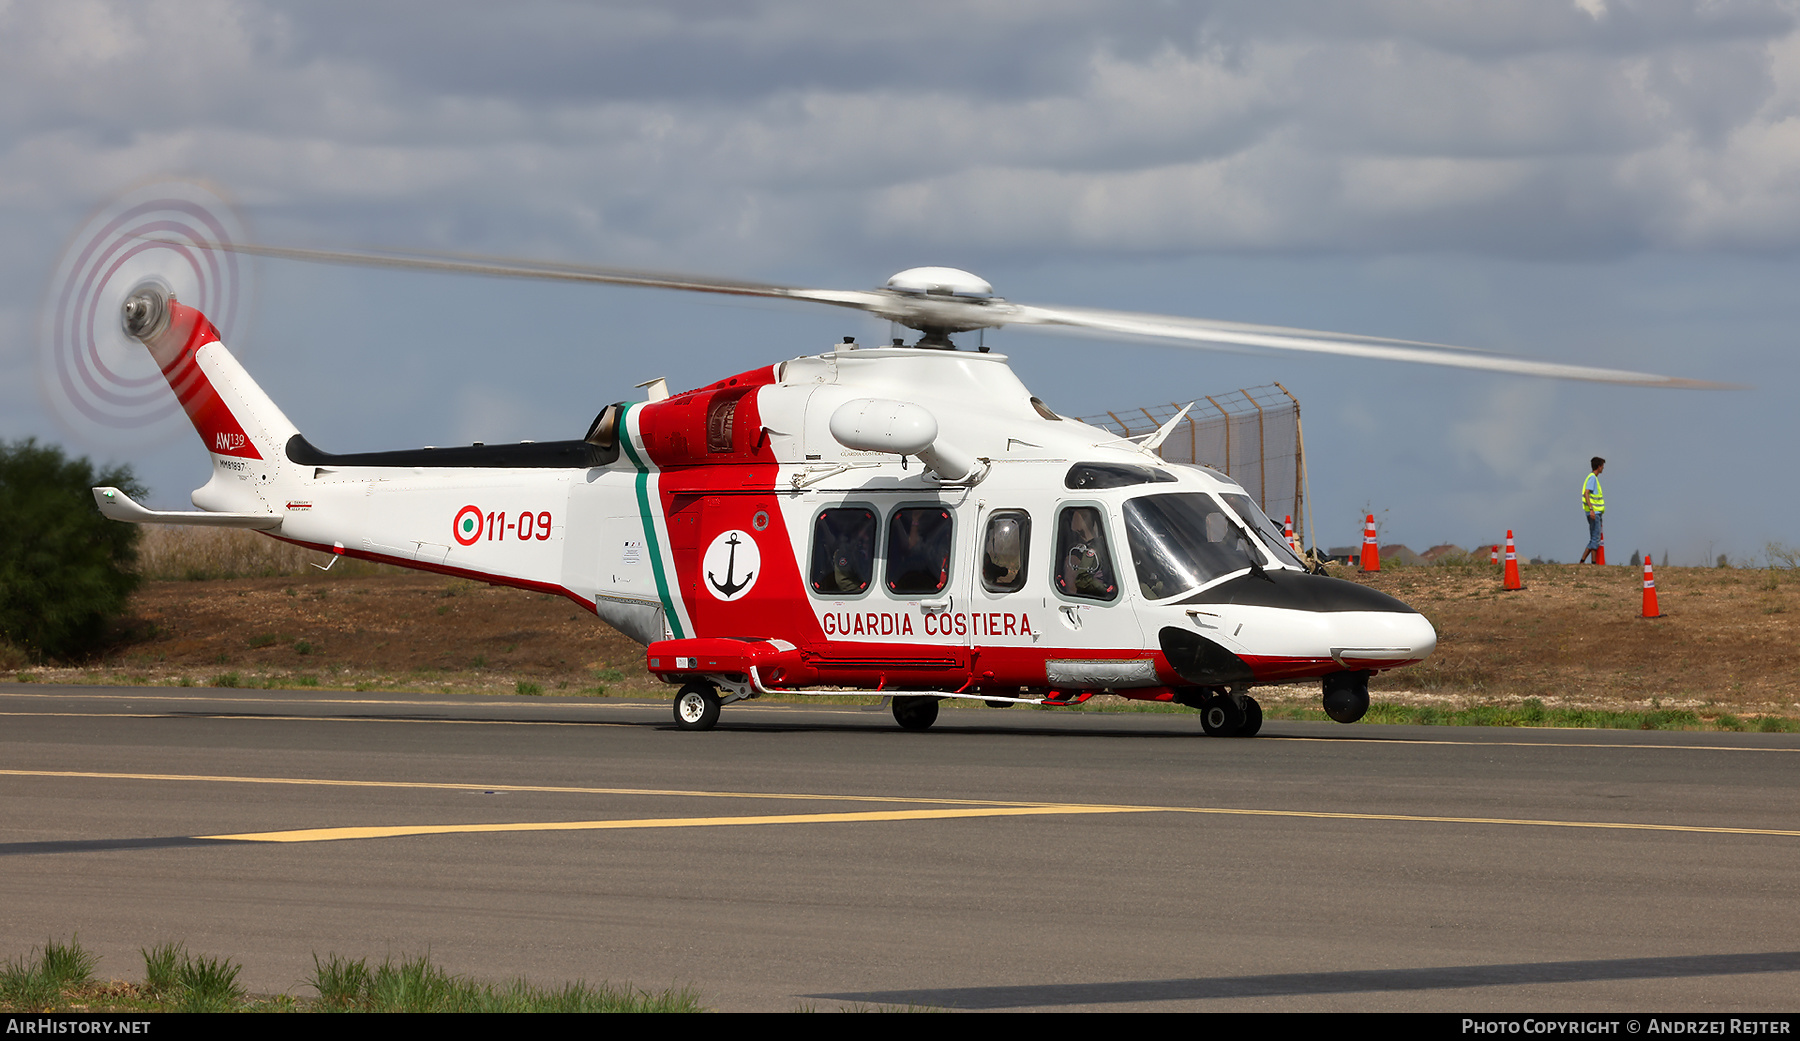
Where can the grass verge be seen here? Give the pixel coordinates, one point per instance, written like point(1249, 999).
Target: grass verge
point(59, 977)
point(1531, 712)
point(417, 985)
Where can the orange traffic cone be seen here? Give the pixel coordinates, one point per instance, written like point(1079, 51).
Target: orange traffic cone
point(1371, 553)
point(1511, 580)
point(1287, 531)
point(1494, 554)
point(1600, 554)
point(1650, 609)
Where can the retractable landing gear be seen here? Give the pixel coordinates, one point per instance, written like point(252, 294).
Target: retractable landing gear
point(697, 706)
point(915, 713)
point(1223, 716)
point(1346, 696)
point(1227, 715)
point(1252, 718)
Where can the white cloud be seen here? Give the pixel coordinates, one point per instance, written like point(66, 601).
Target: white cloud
point(1271, 127)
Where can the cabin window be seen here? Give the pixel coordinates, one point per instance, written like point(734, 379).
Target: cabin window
point(918, 551)
point(718, 423)
point(1084, 566)
point(1005, 551)
point(843, 555)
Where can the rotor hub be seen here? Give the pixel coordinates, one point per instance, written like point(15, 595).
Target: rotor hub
point(941, 281)
point(145, 312)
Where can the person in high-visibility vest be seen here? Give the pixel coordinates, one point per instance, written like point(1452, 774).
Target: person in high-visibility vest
point(1593, 503)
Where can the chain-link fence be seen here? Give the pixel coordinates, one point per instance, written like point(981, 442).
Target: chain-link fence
point(1253, 435)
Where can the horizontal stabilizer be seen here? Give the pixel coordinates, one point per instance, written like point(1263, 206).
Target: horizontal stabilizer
point(121, 507)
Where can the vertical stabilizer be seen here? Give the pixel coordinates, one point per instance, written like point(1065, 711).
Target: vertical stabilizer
point(241, 427)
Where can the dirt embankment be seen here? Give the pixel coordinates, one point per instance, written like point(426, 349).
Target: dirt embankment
point(1729, 637)
point(406, 630)
point(1573, 636)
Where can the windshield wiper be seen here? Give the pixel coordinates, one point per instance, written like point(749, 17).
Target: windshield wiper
point(1251, 544)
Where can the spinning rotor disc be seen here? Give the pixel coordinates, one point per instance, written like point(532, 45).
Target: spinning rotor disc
point(940, 301)
point(100, 382)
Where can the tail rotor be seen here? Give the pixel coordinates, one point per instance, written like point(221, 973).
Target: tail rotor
point(112, 287)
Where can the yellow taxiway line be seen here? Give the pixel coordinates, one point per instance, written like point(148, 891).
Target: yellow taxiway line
point(333, 834)
point(331, 782)
point(943, 809)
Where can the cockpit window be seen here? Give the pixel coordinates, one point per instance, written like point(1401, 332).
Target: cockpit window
point(1088, 476)
point(1265, 528)
point(1084, 566)
point(1183, 540)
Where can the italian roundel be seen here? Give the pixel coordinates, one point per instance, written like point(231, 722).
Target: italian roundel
point(731, 565)
point(467, 525)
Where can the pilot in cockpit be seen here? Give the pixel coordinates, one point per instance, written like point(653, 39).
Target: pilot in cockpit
point(1085, 569)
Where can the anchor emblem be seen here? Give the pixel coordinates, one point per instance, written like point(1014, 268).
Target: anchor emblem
point(727, 545)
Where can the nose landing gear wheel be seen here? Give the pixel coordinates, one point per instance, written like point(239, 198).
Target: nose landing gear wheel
point(915, 713)
point(697, 707)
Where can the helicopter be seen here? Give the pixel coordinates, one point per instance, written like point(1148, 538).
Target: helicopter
point(905, 519)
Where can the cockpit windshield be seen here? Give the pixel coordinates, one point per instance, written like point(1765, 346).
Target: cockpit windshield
point(1183, 540)
point(1266, 529)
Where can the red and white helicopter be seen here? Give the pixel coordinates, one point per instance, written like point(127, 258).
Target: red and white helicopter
point(906, 519)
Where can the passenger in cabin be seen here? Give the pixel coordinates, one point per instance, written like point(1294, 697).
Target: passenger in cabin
point(919, 551)
point(1003, 560)
point(843, 551)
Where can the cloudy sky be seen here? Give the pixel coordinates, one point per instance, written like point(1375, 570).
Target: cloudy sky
point(1593, 181)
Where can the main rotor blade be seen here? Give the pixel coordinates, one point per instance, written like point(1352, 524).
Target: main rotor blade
point(1196, 332)
point(502, 267)
point(946, 314)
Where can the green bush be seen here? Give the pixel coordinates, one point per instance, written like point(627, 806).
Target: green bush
point(65, 570)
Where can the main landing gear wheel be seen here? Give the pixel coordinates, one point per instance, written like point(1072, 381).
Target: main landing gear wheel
point(1252, 718)
point(697, 707)
point(1221, 717)
point(915, 713)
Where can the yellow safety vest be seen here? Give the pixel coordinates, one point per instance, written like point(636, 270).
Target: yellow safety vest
point(1595, 500)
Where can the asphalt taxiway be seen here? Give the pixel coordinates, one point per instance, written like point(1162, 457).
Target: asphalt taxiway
point(821, 857)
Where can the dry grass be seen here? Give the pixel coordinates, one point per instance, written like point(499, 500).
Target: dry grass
point(397, 630)
point(1728, 638)
point(180, 553)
